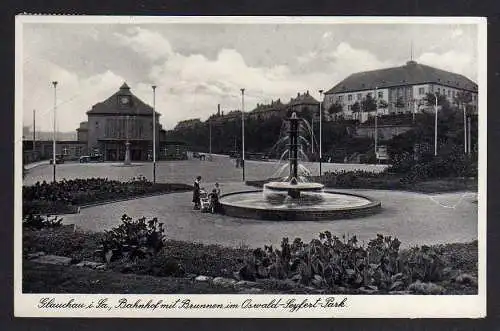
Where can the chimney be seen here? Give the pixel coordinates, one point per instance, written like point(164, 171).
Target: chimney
point(218, 109)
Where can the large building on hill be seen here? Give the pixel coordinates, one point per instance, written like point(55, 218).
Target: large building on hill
point(400, 89)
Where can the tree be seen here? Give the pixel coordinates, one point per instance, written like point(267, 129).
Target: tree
point(382, 104)
point(368, 104)
point(356, 108)
point(335, 109)
point(430, 100)
point(463, 99)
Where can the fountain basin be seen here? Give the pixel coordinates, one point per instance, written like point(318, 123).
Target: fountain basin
point(332, 205)
point(285, 186)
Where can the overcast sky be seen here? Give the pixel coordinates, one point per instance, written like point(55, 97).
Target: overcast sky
point(197, 66)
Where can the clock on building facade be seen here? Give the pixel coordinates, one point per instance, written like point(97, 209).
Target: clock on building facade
point(125, 100)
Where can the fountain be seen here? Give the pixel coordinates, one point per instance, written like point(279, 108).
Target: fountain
point(294, 198)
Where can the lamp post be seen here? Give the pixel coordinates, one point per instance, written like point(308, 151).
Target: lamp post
point(320, 130)
point(54, 83)
point(375, 134)
point(312, 134)
point(210, 137)
point(127, 143)
point(469, 145)
point(34, 134)
point(465, 130)
point(414, 109)
point(436, 125)
point(243, 131)
point(154, 133)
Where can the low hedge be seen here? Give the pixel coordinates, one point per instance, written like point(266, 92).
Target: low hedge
point(65, 196)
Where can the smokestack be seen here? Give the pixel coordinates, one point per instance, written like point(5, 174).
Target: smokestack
point(218, 109)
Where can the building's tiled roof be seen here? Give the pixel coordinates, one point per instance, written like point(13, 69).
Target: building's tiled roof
point(112, 106)
point(303, 99)
point(410, 74)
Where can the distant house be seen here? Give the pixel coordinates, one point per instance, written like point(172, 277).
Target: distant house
point(304, 105)
point(266, 111)
point(402, 89)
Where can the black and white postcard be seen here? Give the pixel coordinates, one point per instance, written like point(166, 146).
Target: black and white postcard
point(319, 167)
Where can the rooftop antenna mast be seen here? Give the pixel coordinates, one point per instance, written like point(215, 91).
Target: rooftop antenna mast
point(411, 50)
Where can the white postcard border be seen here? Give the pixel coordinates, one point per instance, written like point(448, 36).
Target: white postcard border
point(359, 306)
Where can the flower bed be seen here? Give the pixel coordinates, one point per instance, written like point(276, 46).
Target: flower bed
point(327, 264)
point(65, 196)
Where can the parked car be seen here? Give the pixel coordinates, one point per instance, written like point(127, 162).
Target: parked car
point(91, 158)
point(197, 155)
point(59, 159)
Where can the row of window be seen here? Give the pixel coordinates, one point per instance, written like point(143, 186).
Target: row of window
point(121, 128)
point(359, 96)
point(421, 91)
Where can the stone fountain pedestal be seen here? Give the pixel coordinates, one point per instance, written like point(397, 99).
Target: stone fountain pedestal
point(294, 200)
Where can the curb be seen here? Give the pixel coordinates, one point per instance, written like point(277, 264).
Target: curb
point(125, 199)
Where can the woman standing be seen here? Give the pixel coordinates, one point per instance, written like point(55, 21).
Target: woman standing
point(196, 193)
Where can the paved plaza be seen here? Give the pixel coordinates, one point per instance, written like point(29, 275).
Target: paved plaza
point(221, 169)
point(412, 217)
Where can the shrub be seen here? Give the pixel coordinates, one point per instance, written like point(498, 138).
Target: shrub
point(38, 222)
point(451, 162)
point(133, 239)
point(424, 263)
point(330, 262)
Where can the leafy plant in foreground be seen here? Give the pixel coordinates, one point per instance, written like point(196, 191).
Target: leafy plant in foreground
point(133, 239)
point(332, 262)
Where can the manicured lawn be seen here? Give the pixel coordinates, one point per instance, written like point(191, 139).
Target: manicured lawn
point(40, 278)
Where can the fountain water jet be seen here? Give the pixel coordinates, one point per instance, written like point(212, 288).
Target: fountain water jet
point(294, 198)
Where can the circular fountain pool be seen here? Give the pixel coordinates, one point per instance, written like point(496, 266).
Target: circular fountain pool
point(294, 199)
point(327, 205)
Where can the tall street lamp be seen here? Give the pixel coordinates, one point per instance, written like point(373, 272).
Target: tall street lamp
point(154, 133)
point(469, 135)
point(465, 129)
point(375, 134)
point(126, 161)
point(436, 125)
point(320, 129)
point(54, 83)
point(210, 137)
point(243, 131)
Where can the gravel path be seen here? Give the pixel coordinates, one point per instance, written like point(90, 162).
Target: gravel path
point(414, 218)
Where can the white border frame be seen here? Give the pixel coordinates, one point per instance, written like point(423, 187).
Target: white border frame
point(359, 306)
